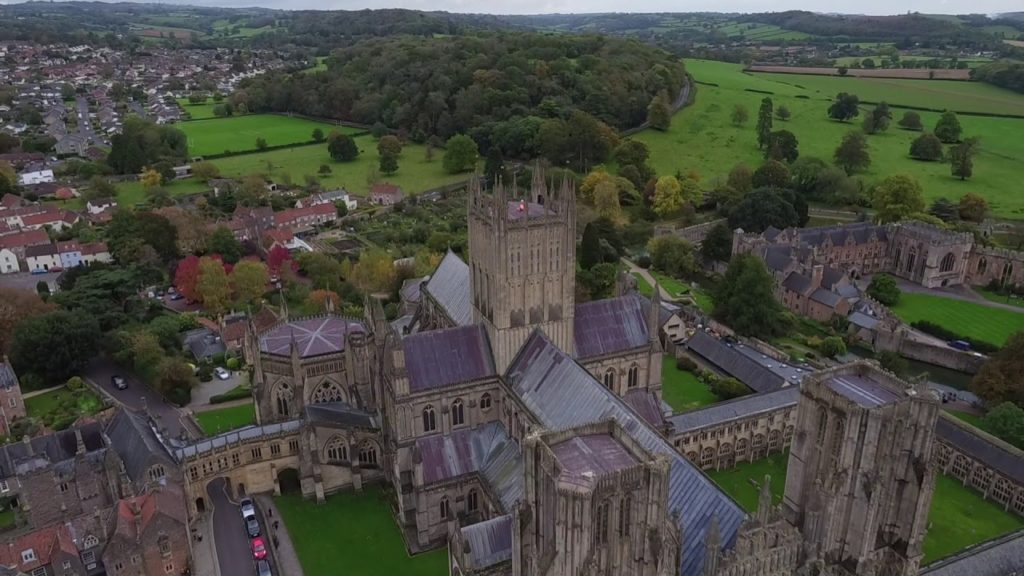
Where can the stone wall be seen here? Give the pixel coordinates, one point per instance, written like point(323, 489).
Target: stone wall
point(941, 355)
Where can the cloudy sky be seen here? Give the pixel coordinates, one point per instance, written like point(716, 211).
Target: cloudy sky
point(578, 6)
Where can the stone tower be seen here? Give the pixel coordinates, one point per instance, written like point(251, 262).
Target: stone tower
point(860, 477)
point(522, 261)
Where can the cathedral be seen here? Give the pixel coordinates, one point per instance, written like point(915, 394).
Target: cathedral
point(525, 431)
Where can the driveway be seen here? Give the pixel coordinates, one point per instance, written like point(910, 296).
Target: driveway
point(234, 554)
point(201, 394)
point(138, 396)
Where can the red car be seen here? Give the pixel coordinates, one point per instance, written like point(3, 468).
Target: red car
point(259, 550)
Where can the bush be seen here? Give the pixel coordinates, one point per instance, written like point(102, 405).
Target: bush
point(686, 364)
point(217, 359)
point(727, 388)
point(949, 335)
point(24, 427)
point(75, 384)
point(232, 363)
point(832, 346)
point(179, 396)
point(233, 394)
point(205, 372)
point(893, 362)
point(644, 261)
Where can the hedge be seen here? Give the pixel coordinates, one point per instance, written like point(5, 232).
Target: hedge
point(949, 335)
point(234, 394)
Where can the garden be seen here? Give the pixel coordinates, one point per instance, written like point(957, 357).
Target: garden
point(682, 389)
point(60, 408)
point(355, 530)
point(221, 420)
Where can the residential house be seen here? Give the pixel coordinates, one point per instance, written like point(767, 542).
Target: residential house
point(36, 177)
point(70, 253)
point(203, 343)
point(42, 257)
point(95, 252)
point(54, 218)
point(820, 295)
point(329, 197)
point(284, 238)
point(97, 205)
point(386, 194)
point(66, 193)
point(148, 535)
point(45, 552)
point(19, 160)
point(16, 244)
point(221, 185)
point(12, 405)
point(249, 223)
point(10, 201)
point(71, 145)
point(232, 333)
point(305, 218)
point(8, 261)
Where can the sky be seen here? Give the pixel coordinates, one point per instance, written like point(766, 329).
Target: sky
point(583, 6)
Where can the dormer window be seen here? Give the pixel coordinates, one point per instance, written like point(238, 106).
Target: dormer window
point(28, 556)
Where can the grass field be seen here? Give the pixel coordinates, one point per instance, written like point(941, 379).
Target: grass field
point(239, 133)
point(682, 390)
point(222, 420)
point(321, 66)
point(959, 517)
point(702, 137)
point(202, 111)
point(993, 325)
point(354, 530)
point(62, 404)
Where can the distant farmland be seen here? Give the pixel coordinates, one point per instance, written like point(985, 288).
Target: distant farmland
point(911, 73)
point(239, 133)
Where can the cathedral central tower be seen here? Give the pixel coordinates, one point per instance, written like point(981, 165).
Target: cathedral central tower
point(522, 261)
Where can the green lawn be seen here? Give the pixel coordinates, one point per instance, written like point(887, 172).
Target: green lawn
point(7, 518)
point(702, 137)
point(239, 133)
point(993, 325)
point(960, 517)
point(676, 288)
point(743, 482)
point(321, 66)
point(1001, 298)
point(972, 419)
point(356, 531)
point(61, 407)
point(198, 111)
point(215, 422)
point(681, 389)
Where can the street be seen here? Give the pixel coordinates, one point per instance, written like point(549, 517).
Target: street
point(233, 552)
point(136, 396)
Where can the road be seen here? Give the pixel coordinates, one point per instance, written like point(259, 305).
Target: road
point(233, 549)
point(137, 396)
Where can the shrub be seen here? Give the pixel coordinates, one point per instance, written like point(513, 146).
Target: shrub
point(217, 359)
point(205, 373)
point(727, 388)
point(232, 363)
point(644, 261)
point(75, 384)
point(233, 394)
point(686, 364)
point(893, 362)
point(179, 396)
point(833, 346)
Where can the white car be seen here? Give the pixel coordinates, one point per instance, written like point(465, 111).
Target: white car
point(247, 508)
point(222, 373)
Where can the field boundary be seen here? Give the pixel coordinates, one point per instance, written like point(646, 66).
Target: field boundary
point(949, 74)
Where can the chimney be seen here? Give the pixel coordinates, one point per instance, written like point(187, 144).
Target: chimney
point(137, 518)
point(79, 443)
point(817, 272)
point(28, 444)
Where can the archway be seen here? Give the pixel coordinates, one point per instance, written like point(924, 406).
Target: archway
point(200, 505)
point(288, 481)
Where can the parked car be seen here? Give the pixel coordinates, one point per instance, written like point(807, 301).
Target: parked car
point(119, 382)
point(245, 505)
point(263, 568)
point(959, 344)
point(176, 296)
point(252, 526)
point(222, 373)
point(259, 549)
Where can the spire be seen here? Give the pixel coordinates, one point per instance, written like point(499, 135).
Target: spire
point(764, 500)
point(654, 315)
point(538, 188)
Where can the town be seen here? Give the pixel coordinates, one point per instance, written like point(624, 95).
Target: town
point(398, 292)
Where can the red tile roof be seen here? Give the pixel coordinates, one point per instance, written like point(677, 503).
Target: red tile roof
point(94, 248)
point(165, 500)
point(44, 543)
point(386, 189)
point(11, 201)
point(23, 239)
point(291, 215)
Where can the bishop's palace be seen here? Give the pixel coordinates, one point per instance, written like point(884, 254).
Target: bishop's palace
point(525, 432)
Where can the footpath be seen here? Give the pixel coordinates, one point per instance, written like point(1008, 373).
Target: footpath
point(285, 557)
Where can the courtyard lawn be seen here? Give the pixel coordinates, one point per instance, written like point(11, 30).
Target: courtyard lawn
point(222, 420)
point(960, 517)
point(743, 482)
point(977, 321)
point(681, 389)
point(972, 419)
point(59, 408)
point(354, 530)
point(239, 133)
point(702, 137)
point(198, 111)
point(991, 296)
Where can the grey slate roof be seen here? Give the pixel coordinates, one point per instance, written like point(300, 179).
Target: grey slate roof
point(562, 394)
point(17, 458)
point(444, 357)
point(797, 282)
point(203, 343)
point(742, 407)
point(646, 404)
point(489, 542)
point(449, 285)
point(863, 320)
point(860, 232)
point(967, 440)
point(235, 436)
point(486, 450)
point(1000, 557)
point(136, 443)
point(826, 297)
point(339, 414)
point(7, 376)
point(610, 325)
point(734, 363)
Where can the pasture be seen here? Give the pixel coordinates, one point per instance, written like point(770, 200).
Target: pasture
point(239, 133)
point(702, 137)
point(202, 111)
point(993, 325)
point(915, 73)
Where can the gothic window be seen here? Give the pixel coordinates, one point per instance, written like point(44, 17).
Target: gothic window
point(328, 392)
point(774, 440)
point(90, 542)
point(960, 466)
point(1007, 273)
point(336, 449)
point(634, 376)
point(707, 457)
point(788, 434)
point(367, 454)
point(692, 457)
point(822, 426)
point(896, 259)
point(282, 399)
point(947, 263)
point(429, 419)
point(911, 260)
point(601, 524)
point(758, 447)
point(485, 402)
point(725, 457)
point(981, 477)
point(609, 378)
point(741, 448)
point(625, 515)
point(1001, 491)
point(472, 501)
point(444, 508)
point(982, 265)
point(458, 413)
point(156, 472)
point(1018, 502)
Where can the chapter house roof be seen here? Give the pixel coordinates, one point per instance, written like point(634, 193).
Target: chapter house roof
point(312, 336)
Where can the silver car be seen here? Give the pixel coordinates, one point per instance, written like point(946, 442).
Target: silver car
point(263, 568)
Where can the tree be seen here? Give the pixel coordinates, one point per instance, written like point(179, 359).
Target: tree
point(196, 98)
point(771, 173)
point(745, 299)
point(8, 142)
point(999, 379)
point(691, 192)
point(318, 135)
point(832, 346)
point(764, 207)
point(342, 147)
point(579, 142)
point(56, 345)
point(459, 155)
point(632, 153)
point(212, 286)
point(727, 388)
point(175, 379)
point(261, 143)
point(494, 165)
point(322, 300)
point(717, 245)
point(1006, 421)
point(896, 198)
point(150, 178)
point(844, 107)
point(252, 191)
point(868, 63)
point(668, 197)
point(249, 279)
point(884, 289)
point(205, 171)
point(223, 243)
point(852, 154)
point(782, 145)
point(659, 114)
point(740, 115)
point(389, 145)
point(672, 255)
point(764, 123)
point(324, 271)
point(741, 178)
point(878, 119)
point(926, 147)
point(973, 207)
point(893, 362)
point(911, 121)
point(606, 202)
point(388, 164)
point(99, 187)
point(961, 158)
point(142, 143)
point(277, 259)
point(590, 247)
point(943, 209)
point(16, 306)
point(186, 276)
point(375, 271)
point(783, 113)
point(948, 127)
point(8, 178)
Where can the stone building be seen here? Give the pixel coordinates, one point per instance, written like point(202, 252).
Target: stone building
point(12, 405)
